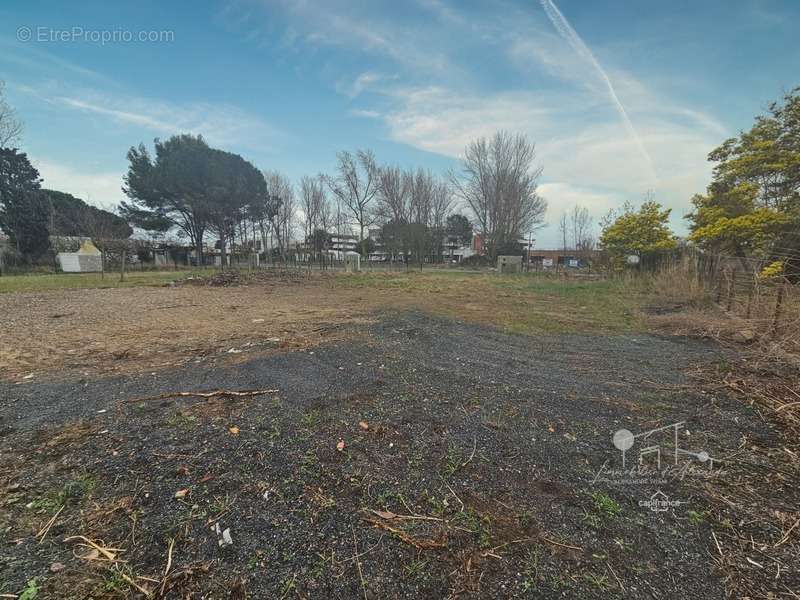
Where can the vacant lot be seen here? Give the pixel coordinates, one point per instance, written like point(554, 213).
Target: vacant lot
point(413, 435)
point(43, 282)
point(100, 330)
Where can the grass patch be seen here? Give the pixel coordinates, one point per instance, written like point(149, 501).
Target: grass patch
point(69, 281)
point(525, 303)
point(605, 505)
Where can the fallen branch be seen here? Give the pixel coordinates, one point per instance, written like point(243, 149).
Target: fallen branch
point(555, 543)
point(43, 531)
point(110, 554)
point(614, 573)
point(390, 515)
point(471, 456)
point(358, 562)
point(212, 394)
point(788, 533)
point(130, 581)
point(492, 551)
point(403, 536)
point(168, 567)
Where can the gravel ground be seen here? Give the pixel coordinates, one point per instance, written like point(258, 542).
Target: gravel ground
point(422, 458)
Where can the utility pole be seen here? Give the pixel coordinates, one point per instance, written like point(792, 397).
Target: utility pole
point(528, 254)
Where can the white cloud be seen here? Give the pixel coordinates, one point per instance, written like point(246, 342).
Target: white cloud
point(220, 124)
point(440, 120)
point(563, 197)
point(123, 116)
point(366, 114)
point(37, 60)
point(362, 83)
point(101, 189)
point(342, 24)
point(586, 161)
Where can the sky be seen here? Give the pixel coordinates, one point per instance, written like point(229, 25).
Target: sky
point(621, 97)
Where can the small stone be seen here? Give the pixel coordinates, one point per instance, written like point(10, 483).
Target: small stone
point(747, 335)
point(56, 567)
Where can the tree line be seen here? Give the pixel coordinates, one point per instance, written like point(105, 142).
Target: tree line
point(183, 186)
point(188, 185)
point(750, 209)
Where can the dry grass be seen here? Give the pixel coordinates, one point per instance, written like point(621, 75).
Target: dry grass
point(755, 515)
point(98, 331)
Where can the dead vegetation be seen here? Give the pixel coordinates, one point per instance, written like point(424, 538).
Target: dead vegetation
point(456, 468)
point(756, 508)
point(232, 314)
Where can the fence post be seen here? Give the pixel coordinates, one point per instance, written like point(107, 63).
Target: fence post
point(722, 274)
point(731, 289)
point(778, 306)
point(751, 292)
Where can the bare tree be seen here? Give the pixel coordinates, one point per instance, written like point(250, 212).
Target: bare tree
point(441, 208)
point(581, 228)
point(314, 202)
point(498, 182)
point(393, 194)
point(325, 210)
point(10, 126)
point(280, 208)
point(563, 230)
point(355, 186)
point(421, 201)
point(441, 204)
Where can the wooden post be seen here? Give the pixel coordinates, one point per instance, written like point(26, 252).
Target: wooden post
point(778, 306)
point(122, 266)
point(731, 289)
point(719, 286)
point(751, 292)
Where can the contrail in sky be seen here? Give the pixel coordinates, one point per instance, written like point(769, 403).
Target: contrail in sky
point(566, 31)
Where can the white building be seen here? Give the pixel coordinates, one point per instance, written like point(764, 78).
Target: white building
point(88, 259)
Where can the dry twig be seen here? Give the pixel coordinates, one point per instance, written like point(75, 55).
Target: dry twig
point(212, 394)
point(43, 531)
point(403, 536)
point(358, 562)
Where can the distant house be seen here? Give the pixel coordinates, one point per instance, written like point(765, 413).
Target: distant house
point(88, 259)
point(454, 250)
point(342, 243)
point(552, 259)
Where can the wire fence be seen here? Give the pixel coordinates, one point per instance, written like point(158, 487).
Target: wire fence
point(768, 300)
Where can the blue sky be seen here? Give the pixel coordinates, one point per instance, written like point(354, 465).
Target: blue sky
point(288, 83)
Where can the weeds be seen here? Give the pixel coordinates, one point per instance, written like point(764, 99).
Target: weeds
point(531, 571)
point(605, 505)
point(416, 568)
point(31, 590)
point(72, 491)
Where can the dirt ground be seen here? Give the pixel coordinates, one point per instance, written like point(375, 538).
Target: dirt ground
point(122, 330)
point(393, 453)
point(97, 331)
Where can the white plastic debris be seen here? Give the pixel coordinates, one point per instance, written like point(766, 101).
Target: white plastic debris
point(226, 540)
point(223, 536)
